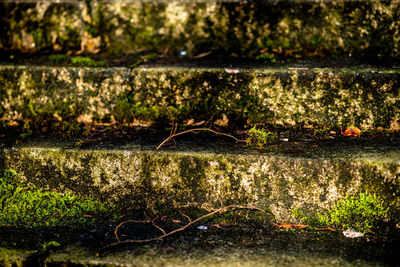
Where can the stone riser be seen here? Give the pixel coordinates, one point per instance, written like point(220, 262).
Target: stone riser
point(318, 97)
point(270, 29)
point(151, 180)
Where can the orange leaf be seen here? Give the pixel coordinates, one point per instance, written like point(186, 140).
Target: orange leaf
point(291, 226)
point(351, 131)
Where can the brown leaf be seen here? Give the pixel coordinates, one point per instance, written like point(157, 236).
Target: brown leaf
point(198, 123)
point(351, 131)
point(203, 54)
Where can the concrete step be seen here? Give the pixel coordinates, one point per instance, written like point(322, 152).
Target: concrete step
point(215, 247)
point(264, 30)
point(294, 95)
point(310, 176)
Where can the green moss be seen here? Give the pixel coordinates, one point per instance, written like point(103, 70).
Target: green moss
point(58, 57)
point(362, 212)
point(12, 257)
point(87, 62)
point(25, 205)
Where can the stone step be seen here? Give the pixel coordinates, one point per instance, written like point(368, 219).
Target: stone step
point(221, 248)
point(198, 175)
point(294, 95)
point(208, 173)
point(264, 30)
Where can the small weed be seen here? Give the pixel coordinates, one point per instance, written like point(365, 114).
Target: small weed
point(79, 143)
point(48, 245)
point(259, 137)
point(267, 57)
point(87, 62)
point(58, 57)
point(69, 128)
point(27, 131)
point(321, 134)
point(136, 64)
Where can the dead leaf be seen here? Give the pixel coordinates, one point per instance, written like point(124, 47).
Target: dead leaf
point(222, 122)
point(394, 125)
point(190, 122)
point(291, 226)
point(351, 131)
point(198, 123)
point(222, 225)
point(298, 68)
point(203, 54)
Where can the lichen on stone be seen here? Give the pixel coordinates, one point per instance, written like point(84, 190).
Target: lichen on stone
point(147, 179)
point(314, 97)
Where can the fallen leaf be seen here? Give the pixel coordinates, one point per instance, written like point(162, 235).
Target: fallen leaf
point(351, 131)
point(203, 54)
point(190, 122)
point(199, 123)
point(222, 225)
point(291, 226)
point(394, 125)
point(222, 122)
point(298, 68)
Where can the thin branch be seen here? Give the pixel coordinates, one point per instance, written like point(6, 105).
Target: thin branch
point(184, 215)
point(139, 241)
point(125, 222)
point(198, 129)
point(158, 227)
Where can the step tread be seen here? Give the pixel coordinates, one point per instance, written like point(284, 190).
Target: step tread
point(342, 149)
point(229, 68)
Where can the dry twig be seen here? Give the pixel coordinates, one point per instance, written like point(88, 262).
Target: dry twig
point(165, 234)
point(174, 134)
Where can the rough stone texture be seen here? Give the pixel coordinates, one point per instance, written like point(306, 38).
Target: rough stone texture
point(319, 97)
point(359, 29)
point(146, 179)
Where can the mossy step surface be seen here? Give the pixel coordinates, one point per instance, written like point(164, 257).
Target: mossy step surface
point(198, 176)
point(215, 247)
point(263, 30)
point(289, 96)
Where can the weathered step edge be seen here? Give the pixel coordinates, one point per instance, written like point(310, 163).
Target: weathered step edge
point(265, 29)
point(321, 97)
point(155, 181)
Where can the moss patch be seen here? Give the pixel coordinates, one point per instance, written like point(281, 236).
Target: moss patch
point(362, 212)
point(86, 62)
point(28, 206)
